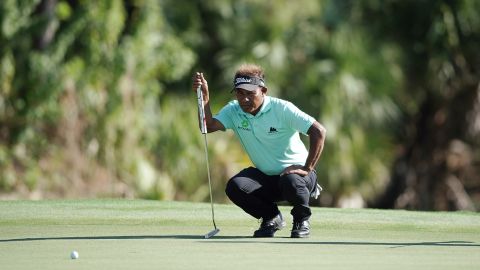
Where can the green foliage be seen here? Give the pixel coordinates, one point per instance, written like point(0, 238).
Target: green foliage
point(90, 105)
point(86, 92)
point(97, 94)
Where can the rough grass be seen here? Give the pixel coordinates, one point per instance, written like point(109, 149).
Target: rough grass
point(136, 234)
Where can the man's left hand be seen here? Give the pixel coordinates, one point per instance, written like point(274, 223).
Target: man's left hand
point(297, 169)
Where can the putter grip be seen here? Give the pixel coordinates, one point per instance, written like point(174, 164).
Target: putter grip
point(201, 111)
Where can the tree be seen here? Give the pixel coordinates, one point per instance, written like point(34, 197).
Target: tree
point(437, 165)
point(80, 93)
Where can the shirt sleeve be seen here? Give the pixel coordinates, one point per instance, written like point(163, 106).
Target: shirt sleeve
point(224, 116)
point(297, 119)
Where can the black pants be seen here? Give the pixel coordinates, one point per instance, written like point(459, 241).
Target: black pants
point(257, 193)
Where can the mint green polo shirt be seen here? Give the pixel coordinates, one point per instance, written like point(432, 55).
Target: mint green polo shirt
point(271, 137)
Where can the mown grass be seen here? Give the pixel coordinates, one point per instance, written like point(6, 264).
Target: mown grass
point(138, 234)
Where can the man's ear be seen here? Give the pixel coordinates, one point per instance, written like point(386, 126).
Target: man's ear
point(264, 90)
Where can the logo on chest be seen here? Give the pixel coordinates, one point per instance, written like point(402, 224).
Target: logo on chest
point(244, 125)
point(272, 130)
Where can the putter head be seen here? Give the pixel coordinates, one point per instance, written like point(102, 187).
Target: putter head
point(212, 233)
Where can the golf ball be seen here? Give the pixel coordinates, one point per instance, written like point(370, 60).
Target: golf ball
point(74, 255)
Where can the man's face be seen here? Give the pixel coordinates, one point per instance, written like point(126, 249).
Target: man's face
point(250, 101)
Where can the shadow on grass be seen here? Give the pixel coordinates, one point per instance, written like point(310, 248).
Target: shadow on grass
point(117, 237)
point(238, 240)
point(348, 243)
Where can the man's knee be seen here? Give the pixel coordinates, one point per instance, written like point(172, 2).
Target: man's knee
point(231, 188)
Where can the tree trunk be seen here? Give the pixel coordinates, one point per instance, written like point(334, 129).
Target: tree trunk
point(430, 174)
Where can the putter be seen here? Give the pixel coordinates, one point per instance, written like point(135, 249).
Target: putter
point(203, 128)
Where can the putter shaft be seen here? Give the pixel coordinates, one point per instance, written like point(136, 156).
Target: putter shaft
point(203, 128)
point(209, 181)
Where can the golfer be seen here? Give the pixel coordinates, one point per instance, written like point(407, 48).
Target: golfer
point(268, 129)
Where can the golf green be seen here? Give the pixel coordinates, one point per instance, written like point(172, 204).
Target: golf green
point(138, 234)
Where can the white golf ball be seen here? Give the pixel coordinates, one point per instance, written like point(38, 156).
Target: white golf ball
point(74, 255)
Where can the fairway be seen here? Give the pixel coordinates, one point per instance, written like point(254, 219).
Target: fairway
point(138, 234)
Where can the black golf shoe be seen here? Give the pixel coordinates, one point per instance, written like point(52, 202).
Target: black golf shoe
point(270, 226)
point(300, 229)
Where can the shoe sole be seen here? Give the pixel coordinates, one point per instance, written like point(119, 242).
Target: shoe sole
point(263, 236)
point(299, 236)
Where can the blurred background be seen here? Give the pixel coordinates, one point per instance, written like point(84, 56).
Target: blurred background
point(96, 99)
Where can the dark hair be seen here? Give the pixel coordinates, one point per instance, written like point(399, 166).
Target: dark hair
point(250, 70)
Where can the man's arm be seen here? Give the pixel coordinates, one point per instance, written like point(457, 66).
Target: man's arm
point(212, 123)
point(317, 134)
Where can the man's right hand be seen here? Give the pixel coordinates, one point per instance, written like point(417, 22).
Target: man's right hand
point(198, 79)
point(212, 123)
